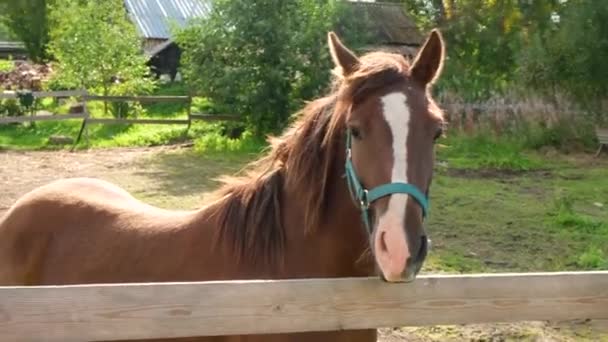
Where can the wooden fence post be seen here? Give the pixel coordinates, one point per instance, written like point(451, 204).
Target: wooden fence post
point(85, 109)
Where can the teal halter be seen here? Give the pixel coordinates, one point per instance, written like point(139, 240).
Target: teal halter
point(366, 197)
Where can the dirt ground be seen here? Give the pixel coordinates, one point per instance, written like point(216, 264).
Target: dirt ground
point(162, 176)
point(171, 177)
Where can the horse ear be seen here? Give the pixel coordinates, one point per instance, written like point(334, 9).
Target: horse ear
point(343, 58)
point(428, 63)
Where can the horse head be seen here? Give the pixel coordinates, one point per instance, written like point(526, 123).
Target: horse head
point(391, 124)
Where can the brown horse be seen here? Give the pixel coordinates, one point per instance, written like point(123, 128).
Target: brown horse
point(342, 193)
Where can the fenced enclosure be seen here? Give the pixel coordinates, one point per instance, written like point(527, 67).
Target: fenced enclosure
point(84, 114)
point(164, 310)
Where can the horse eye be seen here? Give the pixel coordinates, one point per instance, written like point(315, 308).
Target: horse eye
point(355, 132)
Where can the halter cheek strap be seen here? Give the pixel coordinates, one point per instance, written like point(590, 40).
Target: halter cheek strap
point(365, 197)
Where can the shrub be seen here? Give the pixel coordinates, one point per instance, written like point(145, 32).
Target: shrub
point(97, 48)
point(482, 151)
point(261, 59)
point(214, 142)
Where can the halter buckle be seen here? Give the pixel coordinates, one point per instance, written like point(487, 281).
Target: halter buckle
point(363, 201)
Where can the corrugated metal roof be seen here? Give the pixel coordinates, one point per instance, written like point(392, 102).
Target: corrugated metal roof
point(154, 18)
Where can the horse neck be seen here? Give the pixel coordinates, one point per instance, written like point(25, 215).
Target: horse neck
point(338, 245)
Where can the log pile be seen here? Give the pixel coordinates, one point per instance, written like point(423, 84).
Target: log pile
point(25, 75)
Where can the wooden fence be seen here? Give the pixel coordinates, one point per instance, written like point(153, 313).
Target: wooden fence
point(167, 310)
point(43, 94)
point(602, 137)
point(88, 119)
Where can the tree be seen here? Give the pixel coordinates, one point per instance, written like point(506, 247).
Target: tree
point(485, 38)
point(572, 56)
point(27, 20)
point(261, 58)
point(97, 47)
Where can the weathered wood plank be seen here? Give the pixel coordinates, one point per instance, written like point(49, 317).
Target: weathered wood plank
point(30, 118)
point(6, 95)
point(139, 98)
point(215, 117)
point(137, 121)
point(60, 93)
point(602, 135)
point(42, 94)
point(133, 311)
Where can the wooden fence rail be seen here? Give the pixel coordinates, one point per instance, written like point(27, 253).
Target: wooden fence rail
point(162, 310)
point(143, 99)
point(43, 94)
point(87, 119)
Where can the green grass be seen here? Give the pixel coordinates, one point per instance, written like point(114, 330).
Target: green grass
point(34, 138)
point(6, 65)
point(487, 152)
point(528, 221)
point(207, 136)
point(496, 206)
point(215, 143)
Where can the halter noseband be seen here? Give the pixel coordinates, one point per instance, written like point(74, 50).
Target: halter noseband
point(365, 197)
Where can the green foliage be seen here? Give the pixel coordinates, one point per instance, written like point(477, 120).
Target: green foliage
point(214, 142)
point(483, 39)
point(261, 59)
point(426, 13)
point(5, 32)
point(565, 216)
point(592, 258)
point(571, 58)
point(451, 261)
point(208, 137)
point(571, 224)
point(10, 107)
point(27, 20)
point(564, 135)
point(6, 65)
point(483, 151)
point(543, 47)
point(100, 136)
point(97, 48)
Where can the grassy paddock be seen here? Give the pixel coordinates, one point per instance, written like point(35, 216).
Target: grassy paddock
point(500, 207)
point(498, 203)
point(494, 207)
point(35, 137)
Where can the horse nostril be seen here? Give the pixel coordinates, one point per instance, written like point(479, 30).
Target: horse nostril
point(383, 246)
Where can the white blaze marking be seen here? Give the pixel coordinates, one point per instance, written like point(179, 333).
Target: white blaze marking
point(397, 115)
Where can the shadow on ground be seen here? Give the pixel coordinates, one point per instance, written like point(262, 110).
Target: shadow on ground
point(187, 173)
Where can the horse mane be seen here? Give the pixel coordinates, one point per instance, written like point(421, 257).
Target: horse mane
point(302, 160)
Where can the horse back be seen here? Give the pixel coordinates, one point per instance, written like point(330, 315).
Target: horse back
point(69, 225)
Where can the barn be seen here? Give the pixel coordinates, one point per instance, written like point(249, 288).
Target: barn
point(391, 28)
point(154, 21)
